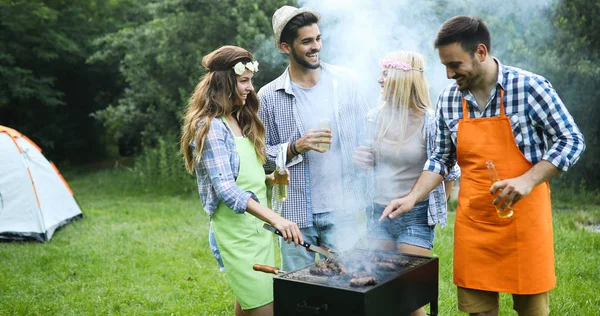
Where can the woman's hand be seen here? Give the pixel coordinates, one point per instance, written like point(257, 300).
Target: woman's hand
point(270, 179)
point(289, 230)
point(397, 207)
point(363, 157)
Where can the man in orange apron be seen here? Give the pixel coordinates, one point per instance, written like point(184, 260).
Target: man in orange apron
point(515, 118)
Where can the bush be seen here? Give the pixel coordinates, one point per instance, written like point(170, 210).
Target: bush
point(566, 195)
point(160, 168)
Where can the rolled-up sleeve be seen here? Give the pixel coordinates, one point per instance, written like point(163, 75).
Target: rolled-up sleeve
point(271, 137)
point(216, 161)
point(550, 114)
point(454, 173)
point(443, 157)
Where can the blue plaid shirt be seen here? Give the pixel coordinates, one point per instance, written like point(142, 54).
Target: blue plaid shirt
point(541, 124)
point(283, 124)
point(437, 212)
point(218, 169)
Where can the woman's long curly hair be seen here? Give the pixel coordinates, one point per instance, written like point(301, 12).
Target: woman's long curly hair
point(216, 96)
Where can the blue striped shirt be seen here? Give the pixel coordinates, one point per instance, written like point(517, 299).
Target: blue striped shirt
point(541, 124)
point(283, 124)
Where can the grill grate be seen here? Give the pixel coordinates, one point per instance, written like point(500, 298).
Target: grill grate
point(400, 291)
point(359, 260)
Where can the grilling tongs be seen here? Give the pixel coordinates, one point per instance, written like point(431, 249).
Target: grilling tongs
point(320, 250)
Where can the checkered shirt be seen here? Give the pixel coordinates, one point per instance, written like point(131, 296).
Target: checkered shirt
point(541, 124)
point(437, 212)
point(219, 168)
point(283, 124)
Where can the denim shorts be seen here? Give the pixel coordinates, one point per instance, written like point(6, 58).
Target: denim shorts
point(410, 228)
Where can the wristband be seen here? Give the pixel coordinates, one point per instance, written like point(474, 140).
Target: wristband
point(293, 149)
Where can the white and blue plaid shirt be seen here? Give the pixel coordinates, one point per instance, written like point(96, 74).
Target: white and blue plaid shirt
point(541, 124)
point(218, 170)
point(283, 124)
point(437, 212)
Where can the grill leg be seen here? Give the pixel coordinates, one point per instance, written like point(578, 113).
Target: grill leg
point(433, 308)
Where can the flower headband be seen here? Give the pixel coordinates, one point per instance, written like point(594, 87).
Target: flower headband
point(402, 65)
point(240, 67)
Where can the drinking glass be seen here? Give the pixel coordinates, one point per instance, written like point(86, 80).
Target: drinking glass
point(325, 123)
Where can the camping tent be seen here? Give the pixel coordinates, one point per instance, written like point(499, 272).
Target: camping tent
point(35, 199)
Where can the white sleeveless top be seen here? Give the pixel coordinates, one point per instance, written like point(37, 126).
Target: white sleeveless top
point(400, 165)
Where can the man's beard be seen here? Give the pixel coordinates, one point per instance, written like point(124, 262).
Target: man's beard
point(304, 63)
point(473, 79)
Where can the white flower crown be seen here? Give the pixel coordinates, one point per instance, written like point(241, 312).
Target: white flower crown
point(239, 68)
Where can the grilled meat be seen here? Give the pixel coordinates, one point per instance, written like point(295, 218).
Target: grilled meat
point(328, 268)
point(397, 261)
point(358, 282)
point(322, 271)
point(358, 270)
point(385, 266)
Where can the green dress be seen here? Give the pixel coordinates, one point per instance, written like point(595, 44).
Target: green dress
point(241, 238)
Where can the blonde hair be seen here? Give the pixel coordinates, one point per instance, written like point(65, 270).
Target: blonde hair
point(216, 96)
point(404, 90)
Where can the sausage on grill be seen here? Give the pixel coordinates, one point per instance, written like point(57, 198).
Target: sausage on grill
point(397, 261)
point(358, 282)
point(322, 271)
point(329, 268)
point(385, 266)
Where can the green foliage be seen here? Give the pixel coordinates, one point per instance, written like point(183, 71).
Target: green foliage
point(560, 44)
point(133, 253)
point(26, 25)
point(160, 58)
point(573, 197)
point(78, 76)
point(47, 90)
point(147, 253)
point(572, 62)
point(160, 168)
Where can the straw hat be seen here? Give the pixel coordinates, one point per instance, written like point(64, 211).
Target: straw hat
point(282, 16)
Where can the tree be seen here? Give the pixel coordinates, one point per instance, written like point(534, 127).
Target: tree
point(47, 90)
point(160, 60)
point(560, 43)
point(572, 60)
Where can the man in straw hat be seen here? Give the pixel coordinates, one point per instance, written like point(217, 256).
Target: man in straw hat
point(313, 109)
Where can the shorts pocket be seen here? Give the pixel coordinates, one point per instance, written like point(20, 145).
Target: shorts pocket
point(482, 210)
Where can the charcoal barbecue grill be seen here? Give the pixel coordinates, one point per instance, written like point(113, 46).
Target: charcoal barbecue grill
point(397, 292)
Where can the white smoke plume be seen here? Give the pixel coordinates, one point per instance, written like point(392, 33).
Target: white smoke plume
point(357, 33)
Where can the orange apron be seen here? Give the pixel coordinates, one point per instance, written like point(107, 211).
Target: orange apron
point(513, 255)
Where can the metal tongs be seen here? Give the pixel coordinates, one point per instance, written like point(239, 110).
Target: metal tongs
point(327, 253)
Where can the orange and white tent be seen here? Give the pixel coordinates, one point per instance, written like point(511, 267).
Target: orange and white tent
point(35, 200)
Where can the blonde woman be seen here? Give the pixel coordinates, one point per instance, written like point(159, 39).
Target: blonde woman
point(223, 142)
point(401, 135)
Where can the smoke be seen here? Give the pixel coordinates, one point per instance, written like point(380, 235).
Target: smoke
point(357, 33)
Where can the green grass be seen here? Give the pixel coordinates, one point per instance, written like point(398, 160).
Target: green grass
point(139, 252)
point(577, 257)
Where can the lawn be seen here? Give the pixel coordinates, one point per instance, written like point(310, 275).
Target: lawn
point(139, 252)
